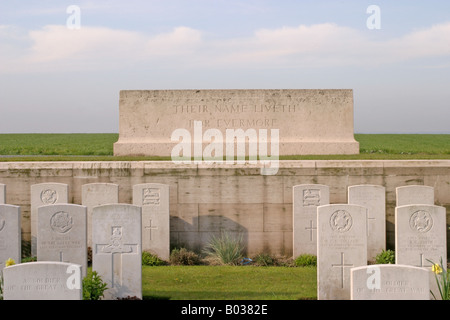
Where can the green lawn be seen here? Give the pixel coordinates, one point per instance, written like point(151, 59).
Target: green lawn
point(57, 144)
point(99, 147)
point(229, 283)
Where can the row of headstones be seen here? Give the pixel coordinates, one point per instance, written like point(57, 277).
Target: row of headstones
point(346, 236)
point(62, 229)
point(343, 222)
point(152, 197)
point(62, 252)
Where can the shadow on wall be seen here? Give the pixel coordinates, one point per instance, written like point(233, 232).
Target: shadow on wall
point(197, 236)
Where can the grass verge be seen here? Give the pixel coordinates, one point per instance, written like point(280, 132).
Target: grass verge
point(229, 283)
point(99, 147)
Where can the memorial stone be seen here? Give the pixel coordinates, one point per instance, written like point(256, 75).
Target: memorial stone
point(306, 199)
point(374, 199)
point(414, 194)
point(309, 121)
point(117, 249)
point(10, 234)
point(341, 245)
point(41, 280)
point(96, 194)
point(154, 200)
point(390, 282)
point(62, 234)
point(420, 235)
point(41, 195)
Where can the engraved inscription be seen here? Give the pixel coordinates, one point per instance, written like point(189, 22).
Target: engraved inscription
point(311, 197)
point(49, 196)
point(342, 265)
point(151, 196)
point(421, 221)
point(60, 243)
point(222, 111)
point(116, 247)
point(395, 287)
point(312, 230)
point(61, 222)
point(150, 228)
point(341, 221)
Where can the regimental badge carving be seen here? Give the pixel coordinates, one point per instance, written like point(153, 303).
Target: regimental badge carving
point(49, 196)
point(151, 196)
point(61, 222)
point(421, 221)
point(311, 197)
point(116, 245)
point(341, 221)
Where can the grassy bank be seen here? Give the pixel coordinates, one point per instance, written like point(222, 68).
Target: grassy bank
point(99, 147)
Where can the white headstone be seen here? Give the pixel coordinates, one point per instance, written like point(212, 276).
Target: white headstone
point(10, 234)
point(117, 249)
point(154, 200)
point(62, 234)
point(2, 193)
point(420, 235)
point(96, 194)
point(306, 199)
point(390, 282)
point(43, 281)
point(341, 245)
point(414, 194)
point(374, 199)
point(41, 195)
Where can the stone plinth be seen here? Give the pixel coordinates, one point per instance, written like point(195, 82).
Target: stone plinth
point(309, 121)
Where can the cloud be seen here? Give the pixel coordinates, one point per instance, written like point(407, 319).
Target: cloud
point(56, 48)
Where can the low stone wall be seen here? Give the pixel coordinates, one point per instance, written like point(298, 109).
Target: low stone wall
point(205, 199)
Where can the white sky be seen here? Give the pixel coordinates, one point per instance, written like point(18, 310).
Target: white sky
point(57, 80)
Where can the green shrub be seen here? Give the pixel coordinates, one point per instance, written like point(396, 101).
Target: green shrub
point(263, 259)
point(184, 257)
point(225, 249)
point(305, 260)
point(93, 286)
point(150, 259)
point(29, 259)
point(385, 257)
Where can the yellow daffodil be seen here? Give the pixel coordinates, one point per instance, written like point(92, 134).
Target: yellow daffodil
point(436, 269)
point(10, 262)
